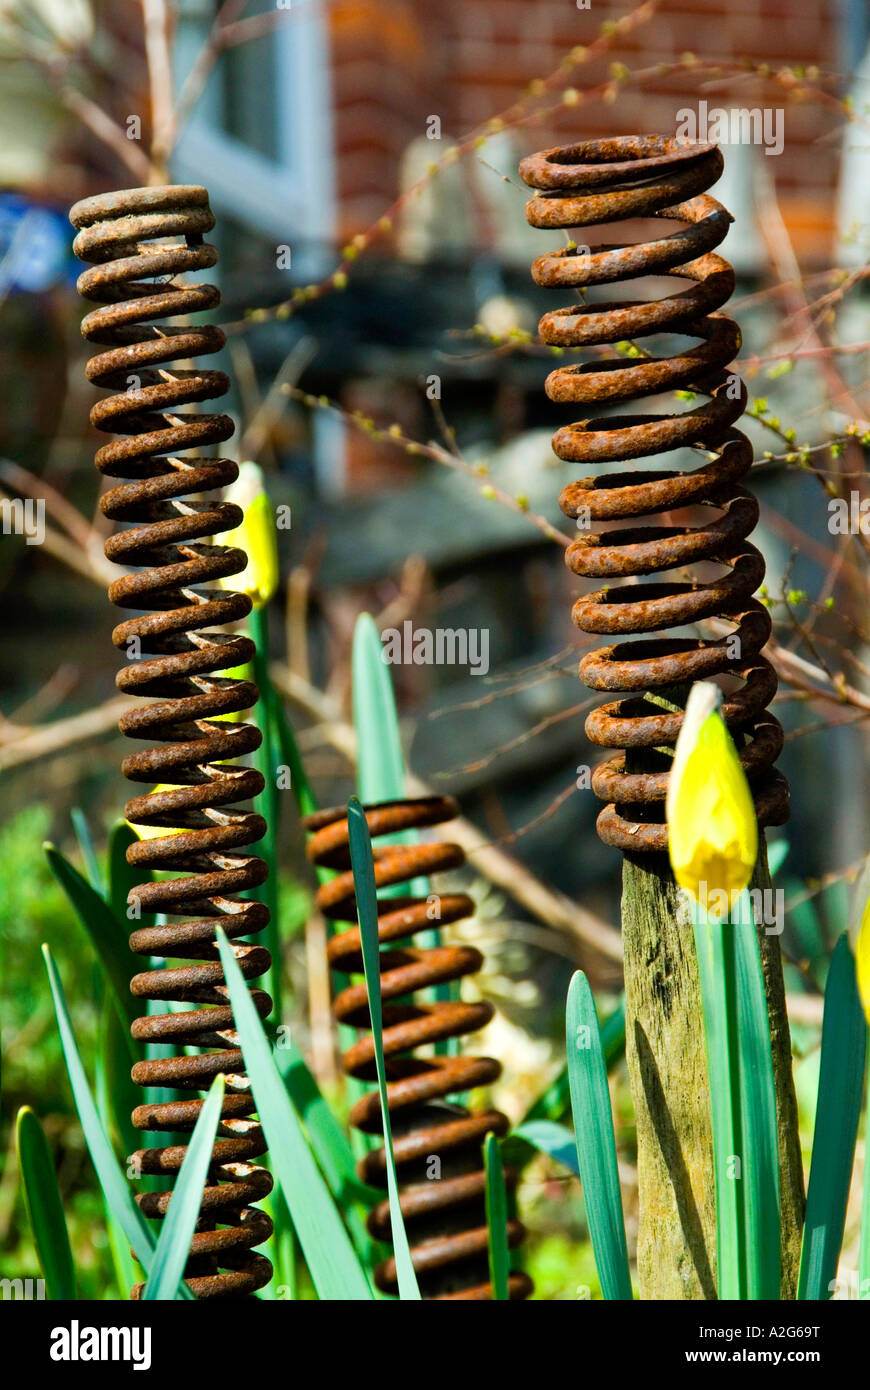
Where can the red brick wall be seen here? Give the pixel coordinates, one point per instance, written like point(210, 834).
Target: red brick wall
point(397, 61)
point(385, 72)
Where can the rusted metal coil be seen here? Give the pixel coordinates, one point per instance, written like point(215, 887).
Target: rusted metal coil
point(445, 1215)
point(607, 181)
point(130, 238)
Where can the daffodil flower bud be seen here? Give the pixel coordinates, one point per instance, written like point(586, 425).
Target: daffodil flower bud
point(712, 826)
point(157, 832)
point(257, 536)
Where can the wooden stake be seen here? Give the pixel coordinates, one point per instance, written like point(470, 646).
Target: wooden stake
point(676, 1254)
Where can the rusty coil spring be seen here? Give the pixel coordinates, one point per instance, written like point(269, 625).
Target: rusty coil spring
point(123, 235)
point(608, 181)
point(446, 1219)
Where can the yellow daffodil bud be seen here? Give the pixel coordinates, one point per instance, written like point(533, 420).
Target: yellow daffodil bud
point(859, 936)
point(712, 826)
point(257, 536)
point(156, 832)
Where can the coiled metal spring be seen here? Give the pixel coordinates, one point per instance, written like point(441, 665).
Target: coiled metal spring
point(445, 1217)
point(607, 181)
point(130, 238)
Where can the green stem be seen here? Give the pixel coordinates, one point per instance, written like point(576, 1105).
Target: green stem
point(863, 1250)
point(729, 981)
point(267, 803)
point(714, 941)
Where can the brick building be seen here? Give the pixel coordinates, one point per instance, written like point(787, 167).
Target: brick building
point(394, 62)
point(310, 123)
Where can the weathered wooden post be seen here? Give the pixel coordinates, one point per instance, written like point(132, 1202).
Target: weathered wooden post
point(676, 1254)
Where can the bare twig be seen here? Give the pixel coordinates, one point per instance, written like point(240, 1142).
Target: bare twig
point(155, 14)
point(549, 720)
point(87, 562)
point(26, 746)
point(451, 458)
point(100, 124)
point(270, 408)
point(68, 516)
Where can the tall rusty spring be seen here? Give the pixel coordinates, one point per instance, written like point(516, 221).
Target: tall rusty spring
point(609, 181)
point(138, 241)
point(444, 1211)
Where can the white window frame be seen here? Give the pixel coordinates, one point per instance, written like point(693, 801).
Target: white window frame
point(290, 199)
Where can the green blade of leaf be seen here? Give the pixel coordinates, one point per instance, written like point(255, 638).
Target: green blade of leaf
point(331, 1148)
point(496, 1220)
point(332, 1261)
point(838, 1108)
point(105, 934)
point(179, 1223)
point(280, 1249)
point(367, 911)
point(326, 1136)
point(381, 773)
point(760, 1169)
point(717, 970)
point(116, 1096)
point(555, 1140)
point(44, 1207)
point(380, 770)
point(777, 852)
point(123, 1263)
point(863, 1250)
point(86, 845)
point(267, 804)
point(380, 764)
point(554, 1105)
point(284, 1253)
point(123, 877)
point(380, 776)
point(111, 1177)
point(595, 1140)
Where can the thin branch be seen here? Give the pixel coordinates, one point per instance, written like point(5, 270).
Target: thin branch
point(155, 15)
point(519, 739)
point(88, 562)
point(68, 516)
point(26, 746)
point(100, 124)
point(450, 458)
